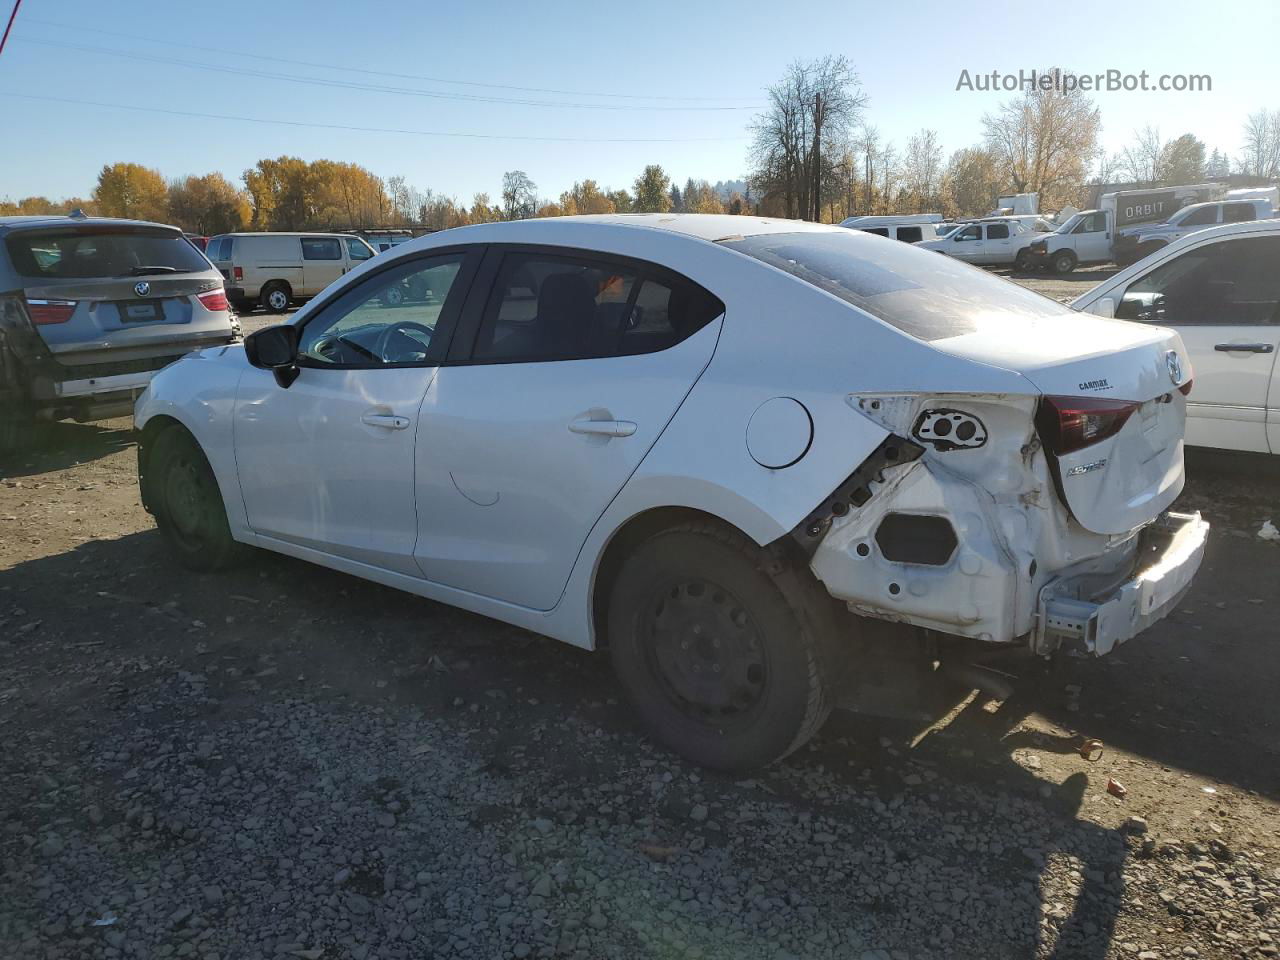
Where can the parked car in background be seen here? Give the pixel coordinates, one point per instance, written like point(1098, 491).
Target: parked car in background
point(1220, 289)
point(909, 228)
point(276, 270)
point(197, 241)
point(739, 453)
point(1090, 236)
point(1135, 243)
point(90, 309)
point(1000, 241)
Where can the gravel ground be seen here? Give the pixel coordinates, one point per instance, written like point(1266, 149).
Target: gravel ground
point(283, 761)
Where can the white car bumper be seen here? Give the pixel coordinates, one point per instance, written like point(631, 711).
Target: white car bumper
point(1172, 547)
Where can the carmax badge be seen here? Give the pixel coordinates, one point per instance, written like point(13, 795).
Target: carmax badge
point(1087, 467)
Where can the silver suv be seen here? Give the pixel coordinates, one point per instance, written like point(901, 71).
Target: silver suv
point(90, 309)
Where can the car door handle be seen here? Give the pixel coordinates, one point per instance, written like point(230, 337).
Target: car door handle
point(388, 421)
point(603, 428)
point(1245, 347)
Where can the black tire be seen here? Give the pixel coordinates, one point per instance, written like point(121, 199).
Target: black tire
point(1022, 261)
point(701, 596)
point(275, 297)
point(1064, 261)
point(188, 504)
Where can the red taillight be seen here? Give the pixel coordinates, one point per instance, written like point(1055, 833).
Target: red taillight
point(50, 311)
point(237, 273)
point(1185, 389)
point(214, 300)
point(1067, 424)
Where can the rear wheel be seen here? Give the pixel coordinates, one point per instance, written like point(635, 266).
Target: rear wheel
point(729, 660)
point(188, 504)
point(276, 296)
point(1064, 261)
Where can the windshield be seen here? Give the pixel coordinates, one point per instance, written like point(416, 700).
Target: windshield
point(922, 293)
point(98, 253)
point(1070, 224)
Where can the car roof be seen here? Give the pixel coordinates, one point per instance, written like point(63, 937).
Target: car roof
point(61, 220)
point(702, 226)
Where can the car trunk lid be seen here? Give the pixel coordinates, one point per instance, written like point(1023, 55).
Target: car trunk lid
point(1112, 414)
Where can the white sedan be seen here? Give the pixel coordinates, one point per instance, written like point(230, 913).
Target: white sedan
point(1220, 289)
point(719, 447)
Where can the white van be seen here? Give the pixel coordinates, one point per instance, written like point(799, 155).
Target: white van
point(909, 228)
point(277, 269)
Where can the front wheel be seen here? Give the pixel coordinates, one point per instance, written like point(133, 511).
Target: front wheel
point(1064, 262)
point(724, 665)
point(1022, 261)
point(188, 504)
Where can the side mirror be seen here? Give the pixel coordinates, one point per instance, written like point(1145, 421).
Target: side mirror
point(275, 349)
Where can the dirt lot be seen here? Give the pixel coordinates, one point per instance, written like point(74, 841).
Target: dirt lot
point(285, 761)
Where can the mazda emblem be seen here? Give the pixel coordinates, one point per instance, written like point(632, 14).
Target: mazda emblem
point(1174, 363)
point(142, 288)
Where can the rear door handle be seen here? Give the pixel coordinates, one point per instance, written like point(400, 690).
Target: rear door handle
point(388, 421)
point(1245, 347)
point(603, 428)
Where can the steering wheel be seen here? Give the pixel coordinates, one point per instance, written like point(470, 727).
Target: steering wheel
point(403, 328)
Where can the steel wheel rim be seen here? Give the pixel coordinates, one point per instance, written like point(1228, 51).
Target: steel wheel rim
point(706, 652)
point(277, 300)
point(187, 503)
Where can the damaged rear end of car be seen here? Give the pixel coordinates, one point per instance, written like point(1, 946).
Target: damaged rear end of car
point(1021, 498)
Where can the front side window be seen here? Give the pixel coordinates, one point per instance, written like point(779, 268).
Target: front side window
point(545, 307)
point(878, 231)
point(357, 249)
point(997, 231)
point(1201, 217)
point(1231, 283)
point(389, 318)
point(1094, 222)
point(969, 233)
point(321, 248)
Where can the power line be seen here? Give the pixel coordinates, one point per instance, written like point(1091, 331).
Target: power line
point(368, 87)
point(13, 15)
point(386, 73)
point(341, 126)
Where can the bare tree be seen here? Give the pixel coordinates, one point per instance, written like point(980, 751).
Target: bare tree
point(922, 170)
point(797, 138)
point(519, 196)
point(1045, 142)
point(1261, 156)
point(1143, 161)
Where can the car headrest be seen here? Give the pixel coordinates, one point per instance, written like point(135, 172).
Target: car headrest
point(566, 309)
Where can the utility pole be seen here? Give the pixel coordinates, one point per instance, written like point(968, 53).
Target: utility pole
point(9, 26)
point(817, 158)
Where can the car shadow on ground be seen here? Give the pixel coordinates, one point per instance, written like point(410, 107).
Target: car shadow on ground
point(56, 446)
point(360, 642)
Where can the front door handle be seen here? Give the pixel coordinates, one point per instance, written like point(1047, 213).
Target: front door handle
point(387, 421)
point(603, 428)
point(1245, 347)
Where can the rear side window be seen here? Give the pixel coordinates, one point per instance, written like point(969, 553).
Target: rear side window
point(997, 231)
point(321, 248)
point(928, 296)
point(545, 307)
point(910, 234)
point(1238, 212)
point(89, 253)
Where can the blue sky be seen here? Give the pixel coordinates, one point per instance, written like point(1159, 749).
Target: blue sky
point(909, 56)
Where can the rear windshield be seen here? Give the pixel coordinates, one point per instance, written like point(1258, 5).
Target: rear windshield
point(925, 294)
point(79, 254)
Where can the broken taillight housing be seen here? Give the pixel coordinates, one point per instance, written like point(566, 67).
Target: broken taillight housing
point(1067, 424)
point(44, 312)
